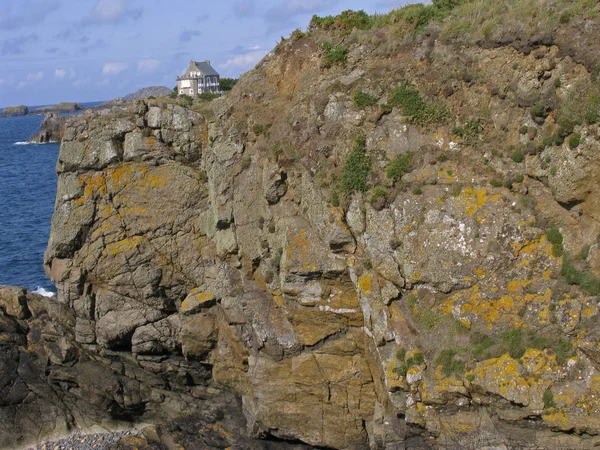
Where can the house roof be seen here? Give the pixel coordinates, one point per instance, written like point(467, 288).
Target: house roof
point(206, 68)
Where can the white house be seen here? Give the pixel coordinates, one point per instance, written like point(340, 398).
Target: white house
point(198, 78)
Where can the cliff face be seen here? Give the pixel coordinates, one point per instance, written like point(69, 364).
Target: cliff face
point(52, 129)
point(395, 246)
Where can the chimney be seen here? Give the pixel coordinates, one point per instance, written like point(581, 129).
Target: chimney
point(207, 62)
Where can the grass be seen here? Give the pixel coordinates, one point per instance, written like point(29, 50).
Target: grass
point(548, 399)
point(555, 237)
point(447, 360)
point(363, 99)
point(356, 168)
point(404, 364)
point(400, 166)
point(574, 140)
point(412, 105)
point(378, 195)
point(572, 275)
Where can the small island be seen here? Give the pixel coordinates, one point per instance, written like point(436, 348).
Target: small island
point(61, 108)
point(15, 111)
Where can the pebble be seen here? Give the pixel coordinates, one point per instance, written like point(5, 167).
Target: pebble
point(80, 441)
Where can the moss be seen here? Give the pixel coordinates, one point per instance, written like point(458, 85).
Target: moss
point(548, 399)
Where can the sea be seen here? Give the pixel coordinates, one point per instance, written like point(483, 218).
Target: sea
point(27, 191)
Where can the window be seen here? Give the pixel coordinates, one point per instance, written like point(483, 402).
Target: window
point(181, 91)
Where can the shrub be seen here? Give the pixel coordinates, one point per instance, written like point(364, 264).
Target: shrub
point(186, 100)
point(334, 54)
point(523, 129)
point(401, 165)
point(574, 140)
point(555, 237)
point(415, 108)
point(226, 84)
point(363, 99)
point(345, 22)
point(517, 156)
point(208, 96)
point(417, 191)
point(496, 183)
point(537, 111)
point(379, 197)
point(356, 168)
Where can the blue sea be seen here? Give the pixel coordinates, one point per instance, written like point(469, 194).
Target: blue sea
point(27, 191)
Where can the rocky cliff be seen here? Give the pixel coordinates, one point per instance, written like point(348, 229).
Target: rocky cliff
point(387, 238)
point(61, 108)
point(52, 129)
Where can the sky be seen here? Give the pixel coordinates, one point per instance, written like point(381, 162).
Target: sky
point(92, 50)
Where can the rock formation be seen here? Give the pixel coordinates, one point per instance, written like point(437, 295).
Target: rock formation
point(378, 243)
point(52, 129)
point(14, 111)
point(61, 108)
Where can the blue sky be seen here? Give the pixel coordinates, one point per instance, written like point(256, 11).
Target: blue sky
point(87, 50)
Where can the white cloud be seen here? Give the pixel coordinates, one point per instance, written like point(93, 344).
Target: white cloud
point(114, 68)
point(112, 11)
point(35, 76)
point(148, 65)
point(60, 73)
point(255, 47)
point(243, 62)
point(21, 85)
point(81, 82)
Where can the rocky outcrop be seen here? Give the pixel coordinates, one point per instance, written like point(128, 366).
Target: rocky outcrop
point(14, 111)
point(52, 129)
point(406, 258)
point(61, 108)
point(147, 92)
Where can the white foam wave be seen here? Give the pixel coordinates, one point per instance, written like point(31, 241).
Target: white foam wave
point(41, 291)
point(23, 143)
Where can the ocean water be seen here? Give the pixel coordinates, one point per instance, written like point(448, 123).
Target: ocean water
point(27, 191)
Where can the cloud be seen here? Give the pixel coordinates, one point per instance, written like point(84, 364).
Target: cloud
point(21, 85)
point(187, 35)
point(31, 12)
point(114, 68)
point(244, 9)
point(244, 62)
point(202, 17)
point(286, 10)
point(52, 50)
point(112, 12)
point(148, 65)
point(60, 73)
point(2, 81)
point(81, 82)
point(15, 45)
point(239, 50)
point(35, 76)
point(99, 43)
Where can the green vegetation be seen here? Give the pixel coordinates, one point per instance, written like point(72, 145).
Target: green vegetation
point(401, 165)
point(555, 237)
point(517, 156)
point(523, 129)
point(572, 275)
point(450, 364)
point(412, 105)
point(574, 140)
point(548, 399)
point(208, 96)
point(357, 167)
point(496, 183)
point(226, 84)
point(470, 130)
point(185, 100)
point(379, 197)
point(363, 99)
point(334, 54)
point(261, 129)
point(537, 111)
point(417, 191)
point(404, 364)
point(284, 148)
point(345, 22)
